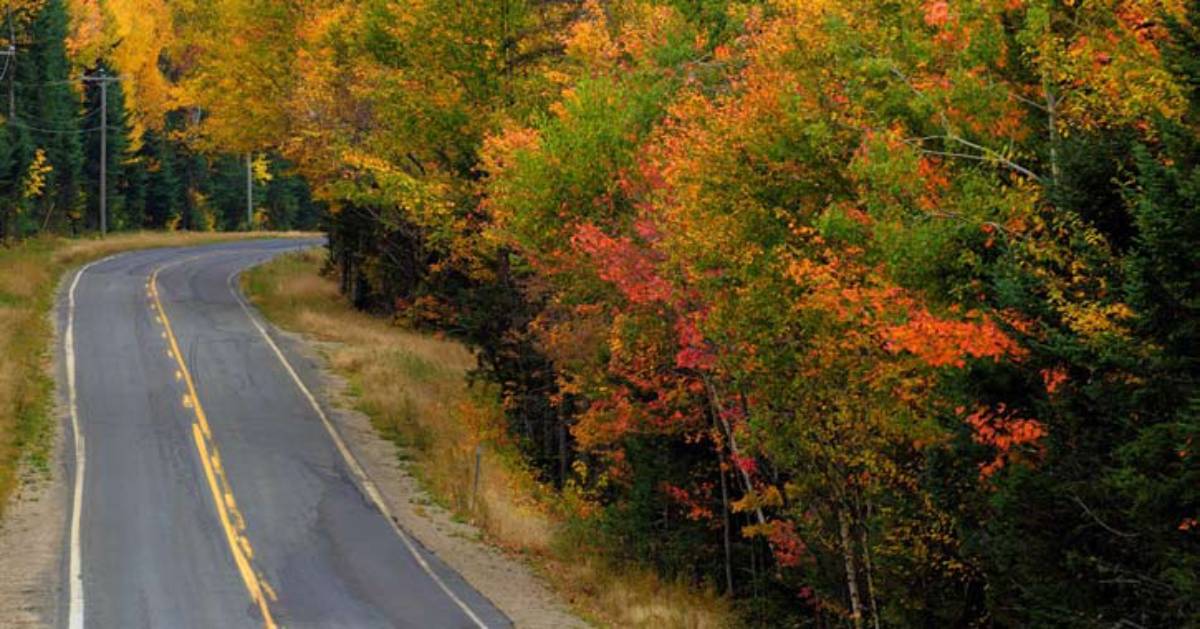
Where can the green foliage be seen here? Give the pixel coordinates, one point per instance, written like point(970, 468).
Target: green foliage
point(157, 178)
point(47, 118)
point(905, 279)
point(868, 313)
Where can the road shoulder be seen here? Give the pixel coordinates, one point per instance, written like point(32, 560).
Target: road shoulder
point(503, 579)
point(31, 542)
point(33, 529)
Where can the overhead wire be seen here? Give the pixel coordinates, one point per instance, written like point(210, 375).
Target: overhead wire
point(25, 125)
point(17, 122)
point(46, 83)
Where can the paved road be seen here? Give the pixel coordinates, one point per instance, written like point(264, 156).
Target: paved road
point(296, 538)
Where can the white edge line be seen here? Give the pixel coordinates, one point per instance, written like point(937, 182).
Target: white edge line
point(367, 484)
point(75, 599)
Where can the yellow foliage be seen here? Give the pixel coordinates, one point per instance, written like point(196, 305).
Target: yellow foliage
point(35, 178)
point(144, 31)
point(260, 166)
point(589, 40)
point(87, 40)
point(768, 496)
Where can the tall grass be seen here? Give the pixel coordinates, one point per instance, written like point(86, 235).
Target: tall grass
point(29, 273)
point(413, 387)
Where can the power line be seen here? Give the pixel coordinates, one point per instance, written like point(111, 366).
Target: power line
point(92, 114)
point(85, 78)
point(85, 116)
point(82, 118)
point(102, 78)
point(25, 125)
point(46, 83)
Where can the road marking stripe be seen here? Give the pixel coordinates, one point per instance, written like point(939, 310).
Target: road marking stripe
point(75, 601)
point(227, 512)
point(355, 468)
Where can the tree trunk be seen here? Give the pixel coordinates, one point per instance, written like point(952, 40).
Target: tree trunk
point(869, 569)
point(725, 526)
point(851, 568)
point(562, 448)
point(718, 417)
point(1052, 111)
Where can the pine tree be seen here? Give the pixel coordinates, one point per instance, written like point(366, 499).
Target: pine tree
point(161, 201)
point(47, 108)
point(133, 185)
point(226, 190)
point(289, 201)
point(8, 186)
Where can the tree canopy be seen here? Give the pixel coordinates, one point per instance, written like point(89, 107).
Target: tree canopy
point(867, 312)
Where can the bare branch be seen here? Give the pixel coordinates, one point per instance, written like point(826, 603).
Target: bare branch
point(1097, 520)
point(985, 154)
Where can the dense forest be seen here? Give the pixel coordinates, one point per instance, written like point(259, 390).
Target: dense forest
point(863, 312)
point(50, 143)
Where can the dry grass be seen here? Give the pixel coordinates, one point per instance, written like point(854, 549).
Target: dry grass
point(29, 273)
point(78, 251)
point(413, 387)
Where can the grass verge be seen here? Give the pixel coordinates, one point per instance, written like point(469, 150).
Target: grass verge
point(413, 387)
point(29, 273)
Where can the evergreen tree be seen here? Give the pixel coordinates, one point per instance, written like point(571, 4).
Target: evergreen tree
point(48, 109)
point(9, 178)
point(162, 197)
point(289, 201)
point(1104, 527)
point(226, 191)
point(133, 185)
point(285, 198)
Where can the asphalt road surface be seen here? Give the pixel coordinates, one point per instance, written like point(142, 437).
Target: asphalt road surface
point(214, 491)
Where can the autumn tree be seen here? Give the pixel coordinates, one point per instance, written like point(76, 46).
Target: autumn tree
point(873, 314)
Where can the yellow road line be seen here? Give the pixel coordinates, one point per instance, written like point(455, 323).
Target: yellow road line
point(356, 469)
point(227, 511)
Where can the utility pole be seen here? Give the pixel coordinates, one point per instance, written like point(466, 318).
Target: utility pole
point(249, 191)
point(103, 155)
point(103, 79)
point(11, 64)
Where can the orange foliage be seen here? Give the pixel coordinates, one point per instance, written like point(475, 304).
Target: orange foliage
point(944, 342)
point(1006, 432)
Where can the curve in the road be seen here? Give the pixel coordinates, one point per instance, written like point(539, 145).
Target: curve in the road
point(233, 524)
point(164, 363)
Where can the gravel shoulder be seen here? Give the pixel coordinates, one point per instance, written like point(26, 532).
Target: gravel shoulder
point(31, 541)
point(503, 579)
point(34, 525)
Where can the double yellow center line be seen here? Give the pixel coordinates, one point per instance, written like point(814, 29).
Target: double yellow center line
point(230, 517)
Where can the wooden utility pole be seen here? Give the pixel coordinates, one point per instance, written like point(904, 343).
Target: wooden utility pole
point(249, 191)
point(103, 79)
point(10, 67)
point(103, 156)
